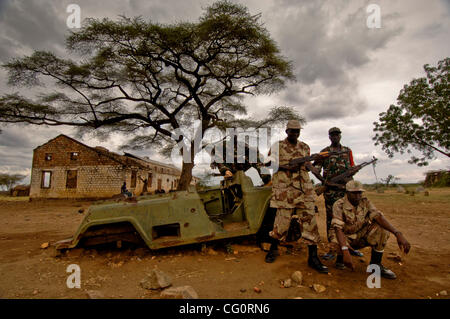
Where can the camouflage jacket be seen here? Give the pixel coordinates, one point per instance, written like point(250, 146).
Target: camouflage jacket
point(290, 189)
point(335, 164)
point(352, 219)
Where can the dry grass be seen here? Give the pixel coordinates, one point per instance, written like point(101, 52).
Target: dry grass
point(392, 197)
point(9, 198)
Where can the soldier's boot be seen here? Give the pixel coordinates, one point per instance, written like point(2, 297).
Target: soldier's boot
point(376, 259)
point(273, 252)
point(340, 262)
point(314, 261)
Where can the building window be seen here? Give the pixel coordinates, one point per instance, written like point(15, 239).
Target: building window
point(46, 179)
point(74, 155)
point(133, 179)
point(159, 184)
point(48, 156)
point(150, 177)
point(71, 180)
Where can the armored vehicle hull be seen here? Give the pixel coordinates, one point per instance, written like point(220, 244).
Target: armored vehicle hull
point(236, 208)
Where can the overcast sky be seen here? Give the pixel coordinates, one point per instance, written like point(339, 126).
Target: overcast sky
point(346, 73)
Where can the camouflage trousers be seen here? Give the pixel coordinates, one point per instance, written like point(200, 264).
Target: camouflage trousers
point(306, 219)
point(372, 235)
point(331, 196)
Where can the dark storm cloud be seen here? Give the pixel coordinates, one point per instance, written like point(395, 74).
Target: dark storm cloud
point(41, 25)
point(447, 5)
point(318, 102)
point(38, 25)
point(18, 161)
point(14, 137)
point(430, 30)
point(327, 41)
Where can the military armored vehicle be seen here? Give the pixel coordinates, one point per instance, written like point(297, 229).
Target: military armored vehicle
point(233, 209)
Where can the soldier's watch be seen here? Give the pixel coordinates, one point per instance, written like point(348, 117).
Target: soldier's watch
point(344, 248)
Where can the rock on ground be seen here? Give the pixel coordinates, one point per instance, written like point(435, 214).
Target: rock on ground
point(319, 288)
point(287, 283)
point(183, 292)
point(156, 279)
point(297, 277)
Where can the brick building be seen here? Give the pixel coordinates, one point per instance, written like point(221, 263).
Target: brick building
point(66, 168)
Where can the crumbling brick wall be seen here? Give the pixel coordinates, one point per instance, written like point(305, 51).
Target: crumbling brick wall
point(97, 175)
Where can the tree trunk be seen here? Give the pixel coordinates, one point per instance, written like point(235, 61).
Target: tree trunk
point(186, 176)
point(186, 171)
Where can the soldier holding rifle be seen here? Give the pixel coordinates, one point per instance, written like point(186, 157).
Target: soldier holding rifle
point(293, 195)
point(333, 166)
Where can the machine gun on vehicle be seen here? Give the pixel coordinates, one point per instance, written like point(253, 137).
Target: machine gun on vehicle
point(340, 180)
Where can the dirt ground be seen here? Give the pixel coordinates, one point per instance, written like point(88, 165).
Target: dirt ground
point(28, 271)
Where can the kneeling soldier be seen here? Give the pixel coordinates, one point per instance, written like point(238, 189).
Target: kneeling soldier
point(356, 224)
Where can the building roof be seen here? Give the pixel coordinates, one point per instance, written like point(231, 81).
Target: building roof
point(127, 159)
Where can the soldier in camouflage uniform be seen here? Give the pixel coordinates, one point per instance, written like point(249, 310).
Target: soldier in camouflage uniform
point(293, 196)
point(228, 169)
point(333, 166)
point(357, 223)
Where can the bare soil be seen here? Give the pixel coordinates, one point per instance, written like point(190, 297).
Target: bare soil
point(28, 271)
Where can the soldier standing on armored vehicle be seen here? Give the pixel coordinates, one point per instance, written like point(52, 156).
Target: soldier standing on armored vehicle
point(293, 196)
point(227, 169)
point(333, 166)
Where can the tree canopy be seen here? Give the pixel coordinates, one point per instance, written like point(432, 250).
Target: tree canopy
point(146, 79)
point(7, 181)
point(421, 118)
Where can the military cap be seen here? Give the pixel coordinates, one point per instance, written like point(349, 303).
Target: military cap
point(293, 124)
point(334, 130)
point(354, 186)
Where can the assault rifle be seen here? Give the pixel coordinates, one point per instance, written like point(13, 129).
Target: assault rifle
point(294, 164)
point(339, 181)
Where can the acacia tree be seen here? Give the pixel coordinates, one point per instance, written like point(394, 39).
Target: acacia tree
point(421, 120)
point(390, 179)
point(146, 79)
point(7, 181)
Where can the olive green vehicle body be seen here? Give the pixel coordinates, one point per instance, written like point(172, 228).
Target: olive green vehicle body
point(177, 218)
